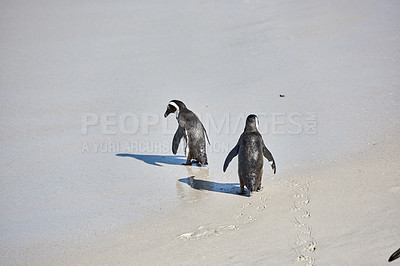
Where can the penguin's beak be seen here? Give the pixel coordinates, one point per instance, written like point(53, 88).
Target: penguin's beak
point(166, 113)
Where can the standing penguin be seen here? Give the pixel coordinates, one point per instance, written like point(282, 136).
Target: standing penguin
point(192, 130)
point(251, 149)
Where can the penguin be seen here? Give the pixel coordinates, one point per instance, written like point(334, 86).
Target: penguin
point(395, 255)
point(192, 131)
point(251, 149)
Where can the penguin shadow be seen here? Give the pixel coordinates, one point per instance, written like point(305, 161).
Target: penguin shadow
point(199, 184)
point(156, 160)
point(198, 180)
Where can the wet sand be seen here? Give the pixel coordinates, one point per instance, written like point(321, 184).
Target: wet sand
point(333, 214)
point(87, 171)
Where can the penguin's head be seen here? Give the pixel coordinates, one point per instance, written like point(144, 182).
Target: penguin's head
point(251, 123)
point(174, 106)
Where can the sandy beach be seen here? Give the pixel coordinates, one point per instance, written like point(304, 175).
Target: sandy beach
point(87, 172)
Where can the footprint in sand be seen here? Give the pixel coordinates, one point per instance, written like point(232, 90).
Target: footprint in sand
point(305, 242)
point(247, 215)
point(250, 209)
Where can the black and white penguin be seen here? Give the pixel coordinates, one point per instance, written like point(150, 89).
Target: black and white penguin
point(193, 132)
point(251, 149)
point(395, 255)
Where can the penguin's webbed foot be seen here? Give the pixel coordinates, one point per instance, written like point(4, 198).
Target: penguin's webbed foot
point(241, 192)
point(199, 163)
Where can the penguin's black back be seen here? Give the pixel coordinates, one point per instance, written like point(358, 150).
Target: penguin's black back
point(195, 133)
point(251, 159)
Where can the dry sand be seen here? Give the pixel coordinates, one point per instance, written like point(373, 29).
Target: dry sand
point(99, 197)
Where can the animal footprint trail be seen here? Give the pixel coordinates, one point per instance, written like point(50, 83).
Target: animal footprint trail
point(305, 242)
point(250, 210)
point(246, 214)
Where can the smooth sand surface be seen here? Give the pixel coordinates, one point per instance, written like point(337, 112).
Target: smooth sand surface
point(113, 193)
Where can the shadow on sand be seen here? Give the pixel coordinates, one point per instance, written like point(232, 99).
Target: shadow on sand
point(198, 184)
point(155, 159)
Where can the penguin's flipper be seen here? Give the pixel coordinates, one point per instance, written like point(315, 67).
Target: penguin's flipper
point(230, 156)
point(177, 138)
point(268, 155)
point(205, 133)
point(395, 255)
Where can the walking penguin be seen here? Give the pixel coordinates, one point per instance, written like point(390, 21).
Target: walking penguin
point(251, 149)
point(192, 131)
